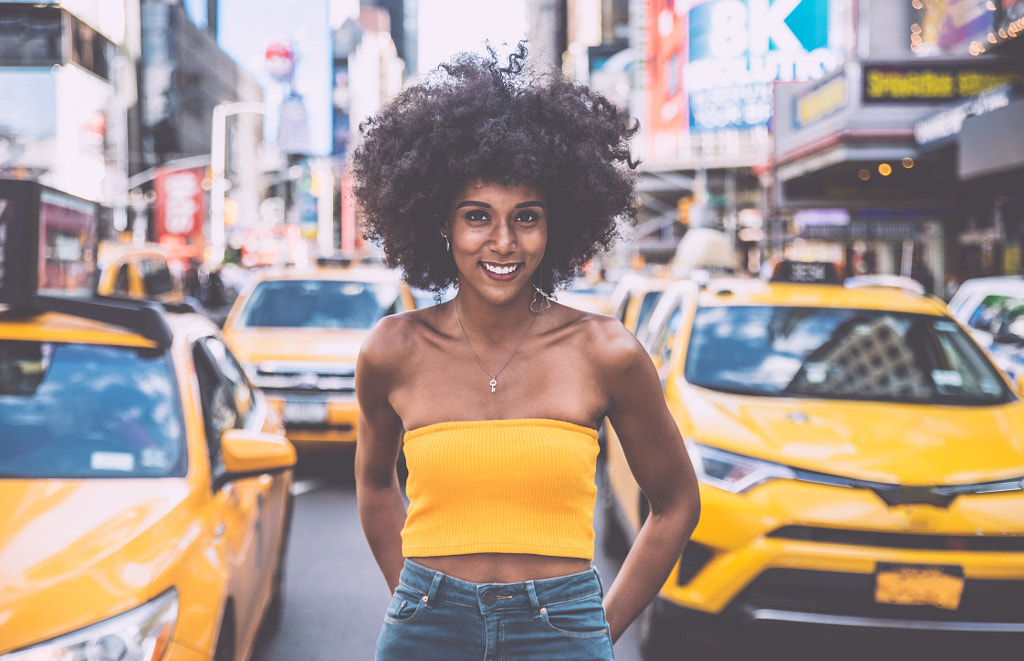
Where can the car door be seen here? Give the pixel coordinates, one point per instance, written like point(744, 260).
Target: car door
point(254, 509)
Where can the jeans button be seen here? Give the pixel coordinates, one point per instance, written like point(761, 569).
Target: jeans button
point(489, 597)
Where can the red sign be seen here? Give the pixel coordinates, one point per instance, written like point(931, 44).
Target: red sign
point(179, 208)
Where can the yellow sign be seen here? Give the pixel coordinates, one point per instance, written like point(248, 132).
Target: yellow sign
point(817, 103)
point(904, 83)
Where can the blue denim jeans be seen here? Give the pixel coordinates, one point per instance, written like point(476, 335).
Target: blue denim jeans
point(435, 617)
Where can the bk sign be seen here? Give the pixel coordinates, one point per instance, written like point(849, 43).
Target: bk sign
point(738, 48)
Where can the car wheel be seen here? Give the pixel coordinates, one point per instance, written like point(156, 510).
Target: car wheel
point(226, 640)
point(664, 640)
point(273, 619)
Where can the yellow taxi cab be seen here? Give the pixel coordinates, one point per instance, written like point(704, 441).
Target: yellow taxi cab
point(145, 487)
point(298, 333)
point(861, 462)
point(137, 271)
point(634, 296)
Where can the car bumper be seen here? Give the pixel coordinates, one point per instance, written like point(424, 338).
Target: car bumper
point(801, 554)
point(328, 422)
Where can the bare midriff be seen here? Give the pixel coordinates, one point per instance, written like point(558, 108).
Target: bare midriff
point(503, 567)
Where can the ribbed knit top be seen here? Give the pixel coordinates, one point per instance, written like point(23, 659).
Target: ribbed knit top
point(501, 486)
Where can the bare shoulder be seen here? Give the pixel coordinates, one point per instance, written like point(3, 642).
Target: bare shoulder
point(608, 342)
point(392, 338)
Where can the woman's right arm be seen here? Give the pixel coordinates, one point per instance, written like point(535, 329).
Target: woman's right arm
point(379, 437)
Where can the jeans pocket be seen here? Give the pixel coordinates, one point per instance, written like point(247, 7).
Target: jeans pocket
point(405, 606)
point(583, 618)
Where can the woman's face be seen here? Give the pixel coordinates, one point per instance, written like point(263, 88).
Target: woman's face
point(498, 234)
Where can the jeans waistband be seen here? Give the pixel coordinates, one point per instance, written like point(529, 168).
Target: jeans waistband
point(436, 586)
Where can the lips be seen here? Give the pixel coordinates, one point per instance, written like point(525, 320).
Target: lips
point(502, 271)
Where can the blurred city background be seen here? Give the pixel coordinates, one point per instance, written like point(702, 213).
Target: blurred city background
point(879, 135)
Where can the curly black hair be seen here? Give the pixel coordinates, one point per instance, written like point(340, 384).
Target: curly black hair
point(473, 119)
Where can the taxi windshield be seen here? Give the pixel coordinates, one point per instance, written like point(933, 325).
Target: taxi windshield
point(318, 304)
point(835, 353)
point(87, 411)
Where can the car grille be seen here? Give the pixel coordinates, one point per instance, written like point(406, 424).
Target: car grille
point(306, 380)
point(902, 540)
point(833, 593)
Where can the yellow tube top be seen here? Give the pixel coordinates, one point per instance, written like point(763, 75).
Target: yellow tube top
point(501, 486)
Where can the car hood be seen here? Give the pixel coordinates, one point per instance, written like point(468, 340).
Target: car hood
point(73, 552)
point(296, 344)
point(878, 441)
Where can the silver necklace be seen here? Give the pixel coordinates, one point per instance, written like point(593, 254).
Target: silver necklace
point(494, 377)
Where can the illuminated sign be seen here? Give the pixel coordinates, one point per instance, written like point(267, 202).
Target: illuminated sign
point(738, 48)
point(820, 101)
point(949, 27)
point(179, 208)
point(47, 243)
point(920, 82)
point(947, 124)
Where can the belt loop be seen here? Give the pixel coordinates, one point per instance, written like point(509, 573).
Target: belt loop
point(532, 591)
point(432, 592)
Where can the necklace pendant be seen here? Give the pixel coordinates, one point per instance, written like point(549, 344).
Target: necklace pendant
point(494, 384)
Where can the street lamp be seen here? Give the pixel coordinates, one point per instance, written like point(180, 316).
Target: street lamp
point(218, 184)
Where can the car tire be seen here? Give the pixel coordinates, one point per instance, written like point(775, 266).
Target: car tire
point(273, 618)
point(662, 639)
point(225, 650)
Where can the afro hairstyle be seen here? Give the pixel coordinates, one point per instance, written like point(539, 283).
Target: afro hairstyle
point(472, 119)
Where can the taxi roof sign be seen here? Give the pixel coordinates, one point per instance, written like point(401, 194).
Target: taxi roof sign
point(822, 273)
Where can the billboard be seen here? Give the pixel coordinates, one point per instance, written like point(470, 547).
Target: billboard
point(738, 48)
point(179, 208)
point(286, 46)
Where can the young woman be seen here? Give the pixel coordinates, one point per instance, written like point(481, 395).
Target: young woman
point(504, 185)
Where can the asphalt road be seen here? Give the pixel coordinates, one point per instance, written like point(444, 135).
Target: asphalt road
point(335, 596)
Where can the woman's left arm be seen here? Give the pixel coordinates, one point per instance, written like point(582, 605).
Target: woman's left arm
point(657, 457)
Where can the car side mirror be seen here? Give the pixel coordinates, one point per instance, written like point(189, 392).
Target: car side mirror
point(248, 453)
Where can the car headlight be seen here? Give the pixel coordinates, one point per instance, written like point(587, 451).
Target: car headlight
point(141, 634)
point(733, 472)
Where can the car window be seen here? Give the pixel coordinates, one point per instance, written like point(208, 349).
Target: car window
point(88, 411)
point(661, 347)
point(993, 311)
point(156, 277)
point(240, 389)
point(122, 286)
point(319, 304)
point(219, 412)
point(620, 311)
point(837, 353)
point(647, 304)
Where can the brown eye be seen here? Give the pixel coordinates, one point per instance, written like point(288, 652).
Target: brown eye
point(476, 216)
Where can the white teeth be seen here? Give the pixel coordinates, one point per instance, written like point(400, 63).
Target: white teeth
point(500, 270)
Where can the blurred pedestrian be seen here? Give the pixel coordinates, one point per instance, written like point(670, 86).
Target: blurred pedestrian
point(505, 184)
point(190, 282)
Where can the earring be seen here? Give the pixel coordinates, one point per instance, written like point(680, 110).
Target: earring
point(541, 301)
point(447, 242)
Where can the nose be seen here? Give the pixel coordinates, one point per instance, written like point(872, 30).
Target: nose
point(504, 239)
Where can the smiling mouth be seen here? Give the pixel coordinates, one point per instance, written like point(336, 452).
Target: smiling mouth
point(498, 269)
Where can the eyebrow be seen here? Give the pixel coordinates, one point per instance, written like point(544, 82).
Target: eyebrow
point(521, 205)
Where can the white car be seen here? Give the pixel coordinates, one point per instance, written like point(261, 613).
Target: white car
point(992, 309)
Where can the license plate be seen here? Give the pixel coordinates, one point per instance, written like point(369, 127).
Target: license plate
point(919, 585)
point(305, 412)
